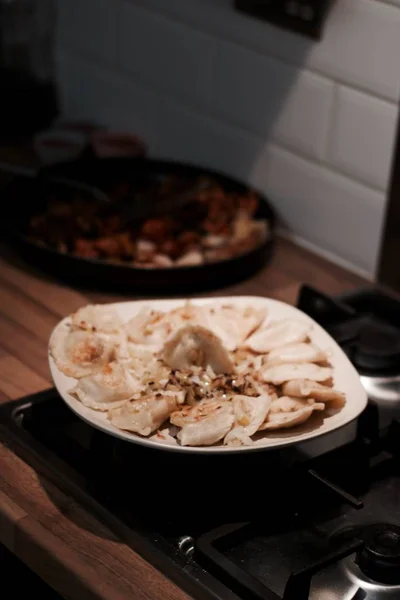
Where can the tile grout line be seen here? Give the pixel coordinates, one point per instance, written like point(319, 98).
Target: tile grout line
point(332, 118)
point(68, 43)
point(274, 56)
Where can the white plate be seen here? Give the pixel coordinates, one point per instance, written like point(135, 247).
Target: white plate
point(346, 379)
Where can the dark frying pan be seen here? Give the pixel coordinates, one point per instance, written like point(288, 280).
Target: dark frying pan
point(23, 198)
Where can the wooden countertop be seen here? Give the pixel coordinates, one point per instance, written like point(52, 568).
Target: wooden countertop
point(88, 561)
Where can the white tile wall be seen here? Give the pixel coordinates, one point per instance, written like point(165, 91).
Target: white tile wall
point(326, 209)
point(90, 26)
point(90, 92)
point(359, 47)
point(187, 136)
point(363, 135)
point(310, 123)
point(166, 54)
point(272, 99)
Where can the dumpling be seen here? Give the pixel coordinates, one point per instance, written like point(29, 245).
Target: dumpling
point(111, 386)
point(120, 343)
point(277, 334)
point(140, 353)
point(296, 353)
point(153, 327)
point(279, 374)
point(247, 362)
point(234, 324)
point(191, 414)
point(97, 317)
point(287, 412)
point(209, 429)
point(145, 415)
point(250, 319)
point(144, 364)
point(105, 322)
point(163, 436)
point(304, 388)
point(219, 320)
point(250, 414)
point(188, 314)
point(79, 353)
point(148, 327)
point(195, 345)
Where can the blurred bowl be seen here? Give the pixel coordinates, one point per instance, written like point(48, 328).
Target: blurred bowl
point(54, 146)
point(86, 128)
point(108, 144)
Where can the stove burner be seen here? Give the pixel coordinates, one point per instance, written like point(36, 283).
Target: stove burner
point(377, 348)
point(379, 559)
point(366, 325)
point(288, 550)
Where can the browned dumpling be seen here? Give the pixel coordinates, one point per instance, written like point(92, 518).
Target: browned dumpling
point(209, 429)
point(110, 386)
point(190, 414)
point(233, 325)
point(79, 353)
point(250, 413)
point(96, 317)
point(145, 415)
point(148, 327)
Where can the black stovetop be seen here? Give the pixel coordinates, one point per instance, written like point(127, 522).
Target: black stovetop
point(256, 525)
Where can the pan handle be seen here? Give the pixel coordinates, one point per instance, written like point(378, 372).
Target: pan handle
point(8, 172)
point(64, 182)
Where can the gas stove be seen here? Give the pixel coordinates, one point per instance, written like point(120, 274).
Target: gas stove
point(320, 521)
point(366, 325)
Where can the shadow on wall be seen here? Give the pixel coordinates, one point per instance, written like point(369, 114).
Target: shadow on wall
point(197, 96)
point(254, 100)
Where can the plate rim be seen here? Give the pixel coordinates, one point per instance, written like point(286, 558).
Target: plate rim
point(80, 409)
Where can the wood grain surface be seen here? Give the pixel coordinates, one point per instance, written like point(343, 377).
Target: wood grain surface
point(55, 536)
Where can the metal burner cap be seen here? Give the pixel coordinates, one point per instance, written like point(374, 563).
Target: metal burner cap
point(378, 347)
point(380, 557)
point(372, 574)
